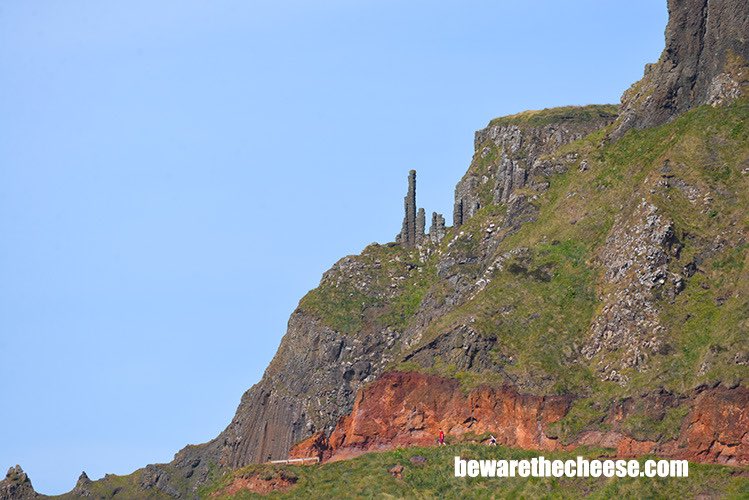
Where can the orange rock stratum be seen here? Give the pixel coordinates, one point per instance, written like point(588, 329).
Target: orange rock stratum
point(408, 409)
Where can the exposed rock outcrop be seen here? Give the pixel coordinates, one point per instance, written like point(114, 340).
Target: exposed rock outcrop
point(409, 231)
point(635, 258)
point(16, 485)
point(408, 409)
point(420, 225)
point(327, 385)
point(437, 229)
point(259, 483)
point(414, 220)
point(310, 382)
point(706, 61)
point(83, 486)
point(508, 152)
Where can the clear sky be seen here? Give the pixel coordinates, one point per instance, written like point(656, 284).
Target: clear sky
point(175, 175)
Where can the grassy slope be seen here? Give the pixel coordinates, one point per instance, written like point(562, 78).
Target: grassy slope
point(538, 118)
point(551, 295)
point(550, 292)
point(347, 307)
point(367, 477)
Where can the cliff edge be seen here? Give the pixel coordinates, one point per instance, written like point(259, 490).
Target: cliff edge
point(706, 61)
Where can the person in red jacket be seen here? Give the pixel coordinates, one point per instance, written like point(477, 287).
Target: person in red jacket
point(441, 438)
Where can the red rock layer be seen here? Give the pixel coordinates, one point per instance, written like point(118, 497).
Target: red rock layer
point(409, 409)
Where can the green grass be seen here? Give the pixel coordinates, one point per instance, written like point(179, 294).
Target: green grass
point(641, 425)
point(541, 301)
point(367, 477)
point(564, 114)
point(342, 303)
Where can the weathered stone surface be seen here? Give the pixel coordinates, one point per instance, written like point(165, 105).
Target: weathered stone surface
point(706, 61)
point(461, 347)
point(635, 257)
point(420, 225)
point(83, 486)
point(308, 385)
point(396, 471)
point(409, 409)
point(408, 234)
point(508, 152)
point(458, 211)
point(259, 484)
point(16, 485)
point(154, 477)
point(437, 229)
point(320, 375)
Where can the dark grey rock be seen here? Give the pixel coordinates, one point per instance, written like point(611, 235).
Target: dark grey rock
point(520, 149)
point(16, 485)
point(706, 61)
point(437, 229)
point(408, 231)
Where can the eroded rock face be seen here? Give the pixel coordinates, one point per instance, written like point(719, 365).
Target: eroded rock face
point(260, 484)
point(635, 258)
point(706, 61)
point(320, 374)
point(412, 230)
point(507, 156)
point(311, 381)
point(716, 430)
point(16, 485)
point(82, 486)
point(409, 409)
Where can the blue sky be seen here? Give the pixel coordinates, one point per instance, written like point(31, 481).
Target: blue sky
point(175, 175)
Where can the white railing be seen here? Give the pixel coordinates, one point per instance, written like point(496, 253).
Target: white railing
point(296, 460)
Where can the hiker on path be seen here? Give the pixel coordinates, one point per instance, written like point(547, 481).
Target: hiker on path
point(441, 438)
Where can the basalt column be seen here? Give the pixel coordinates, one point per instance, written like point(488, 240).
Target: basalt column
point(437, 229)
point(458, 213)
point(408, 232)
point(420, 225)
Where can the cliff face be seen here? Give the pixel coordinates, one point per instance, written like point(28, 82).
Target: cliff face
point(378, 309)
point(604, 303)
point(409, 409)
point(309, 383)
point(16, 485)
point(508, 153)
point(590, 292)
point(706, 61)
point(320, 365)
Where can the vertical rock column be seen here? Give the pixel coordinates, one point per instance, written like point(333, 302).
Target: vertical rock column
point(408, 232)
point(420, 225)
point(437, 229)
point(458, 213)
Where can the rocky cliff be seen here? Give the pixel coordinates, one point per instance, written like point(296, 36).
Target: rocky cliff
point(508, 153)
point(706, 61)
point(591, 291)
point(16, 485)
point(406, 409)
point(605, 303)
